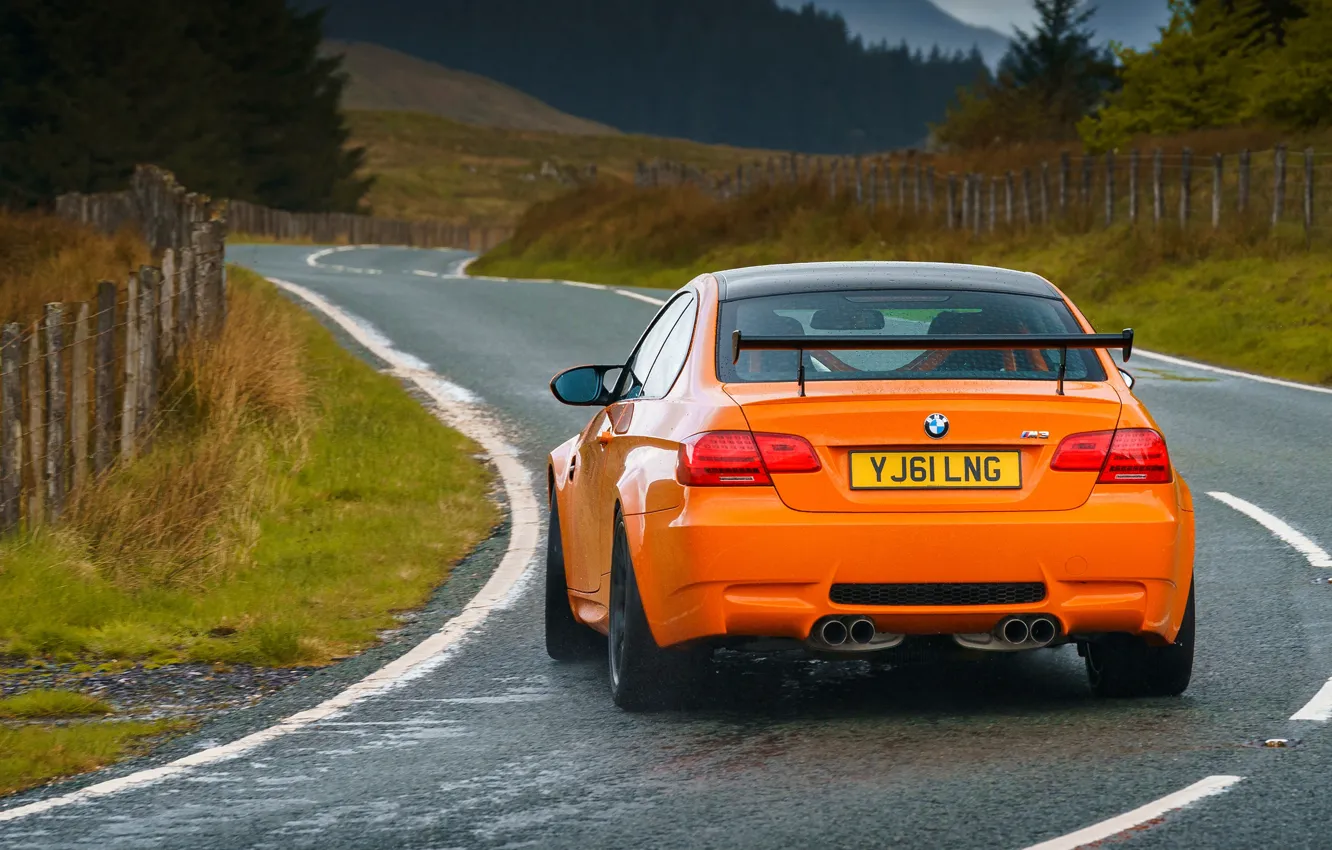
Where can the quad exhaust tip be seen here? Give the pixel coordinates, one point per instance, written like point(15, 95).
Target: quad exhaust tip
point(834, 632)
point(1042, 631)
point(861, 631)
point(1014, 631)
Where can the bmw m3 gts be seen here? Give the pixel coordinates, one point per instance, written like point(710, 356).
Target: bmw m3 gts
point(858, 458)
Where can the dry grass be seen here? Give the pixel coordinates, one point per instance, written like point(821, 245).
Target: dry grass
point(44, 259)
point(185, 513)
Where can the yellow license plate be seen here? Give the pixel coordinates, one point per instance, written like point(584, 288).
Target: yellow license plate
point(960, 470)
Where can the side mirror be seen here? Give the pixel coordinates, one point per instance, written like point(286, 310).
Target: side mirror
point(1128, 378)
point(584, 386)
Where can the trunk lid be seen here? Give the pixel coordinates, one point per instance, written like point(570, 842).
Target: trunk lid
point(986, 419)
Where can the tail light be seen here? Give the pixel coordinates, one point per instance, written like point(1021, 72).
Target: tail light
point(739, 458)
point(1127, 456)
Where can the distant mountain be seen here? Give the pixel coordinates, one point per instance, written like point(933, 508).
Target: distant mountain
point(738, 72)
point(919, 23)
point(380, 78)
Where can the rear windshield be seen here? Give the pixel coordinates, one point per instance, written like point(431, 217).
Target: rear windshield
point(923, 313)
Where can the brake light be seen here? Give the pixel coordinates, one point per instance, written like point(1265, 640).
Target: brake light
point(1137, 456)
point(1127, 456)
point(739, 458)
point(787, 453)
point(1082, 452)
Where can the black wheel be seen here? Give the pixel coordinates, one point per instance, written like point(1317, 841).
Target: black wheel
point(566, 638)
point(643, 676)
point(1127, 666)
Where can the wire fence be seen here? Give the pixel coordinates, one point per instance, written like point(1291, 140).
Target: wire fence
point(79, 387)
point(1275, 188)
point(345, 228)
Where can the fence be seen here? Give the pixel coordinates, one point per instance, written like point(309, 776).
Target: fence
point(79, 387)
point(1272, 188)
point(255, 220)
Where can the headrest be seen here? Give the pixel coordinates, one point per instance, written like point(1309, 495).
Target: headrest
point(847, 318)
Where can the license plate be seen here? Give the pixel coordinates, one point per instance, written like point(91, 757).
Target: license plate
point(958, 470)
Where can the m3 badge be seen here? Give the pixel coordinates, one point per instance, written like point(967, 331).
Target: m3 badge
point(1035, 435)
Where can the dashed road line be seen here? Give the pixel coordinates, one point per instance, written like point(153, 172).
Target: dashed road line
point(1315, 554)
point(1209, 787)
point(1231, 373)
point(649, 299)
point(524, 545)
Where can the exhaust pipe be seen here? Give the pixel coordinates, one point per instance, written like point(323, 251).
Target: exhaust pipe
point(833, 633)
point(1042, 631)
point(862, 630)
point(1014, 631)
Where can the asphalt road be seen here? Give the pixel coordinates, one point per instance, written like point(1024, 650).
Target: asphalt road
point(500, 747)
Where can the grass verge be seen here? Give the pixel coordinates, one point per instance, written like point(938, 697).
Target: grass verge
point(1241, 297)
point(31, 755)
point(49, 704)
point(294, 500)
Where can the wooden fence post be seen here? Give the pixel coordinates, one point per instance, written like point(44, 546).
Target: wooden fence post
point(872, 197)
point(148, 362)
point(1045, 193)
point(1065, 169)
point(11, 428)
point(1242, 203)
point(916, 191)
point(994, 202)
point(1279, 185)
point(1008, 198)
point(36, 427)
point(129, 408)
point(860, 186)
point(55, 412)
point(104, 378)
point(186, 292)
point(1134, 158)
point(1308, 194)
point(1185, 188)
point(929, 191)
point(952, 192)
point(166, 304)
point(78, 398)
point(1158, 186)
point(1026, 197)
point(1085, 193)
point(1109, 188)
point(1218, 164)
point(976, 212)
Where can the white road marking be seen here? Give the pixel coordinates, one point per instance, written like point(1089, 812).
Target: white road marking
point(581, 285)
point(524, 544)
point(313, 260)
point(1316, 556)
point(1231, 373)
point(1208, 787)
point(424, 273)
point(640, 297)
point(1318, 709)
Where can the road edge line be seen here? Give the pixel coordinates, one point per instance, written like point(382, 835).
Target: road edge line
point(1312, 552)
point(523, 548)
point(1318, 709)
point(1231, 373)
point(1203, 788)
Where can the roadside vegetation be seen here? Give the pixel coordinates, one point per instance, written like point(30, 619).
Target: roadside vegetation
point(294, 504)
point(428, 167)
point(1240, 297)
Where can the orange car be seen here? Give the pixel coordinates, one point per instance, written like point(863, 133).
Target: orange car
point(856, 457)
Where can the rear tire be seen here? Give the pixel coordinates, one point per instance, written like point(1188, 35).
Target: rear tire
point(566, 638)
point(643, 676)
point(1127, 666)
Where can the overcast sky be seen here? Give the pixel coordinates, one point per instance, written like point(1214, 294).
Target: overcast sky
point(997, 14)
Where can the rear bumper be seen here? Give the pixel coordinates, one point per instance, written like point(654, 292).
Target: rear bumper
point(740, 563)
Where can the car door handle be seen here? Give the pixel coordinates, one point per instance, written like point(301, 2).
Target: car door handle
point(605, 437)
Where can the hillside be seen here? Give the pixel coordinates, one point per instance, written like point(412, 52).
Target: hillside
point(384, 79)
point(742, 72)
point(430, 167)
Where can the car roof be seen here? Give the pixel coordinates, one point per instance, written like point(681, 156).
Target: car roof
point(757, 281)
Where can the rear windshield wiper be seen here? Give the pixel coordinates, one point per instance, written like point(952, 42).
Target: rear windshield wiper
point(980, 342)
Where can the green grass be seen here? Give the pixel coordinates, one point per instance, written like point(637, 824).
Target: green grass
point(1241, 298)
point(430, 167)
point(353, 512)
point(47, 704)
point(31, 755)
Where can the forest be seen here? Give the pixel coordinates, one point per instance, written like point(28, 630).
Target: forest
point(741, 72)
point(232, 97)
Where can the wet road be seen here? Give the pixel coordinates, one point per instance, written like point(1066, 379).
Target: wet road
point(498, 746)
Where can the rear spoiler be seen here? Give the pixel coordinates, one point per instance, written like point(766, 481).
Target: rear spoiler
point(981, 342)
